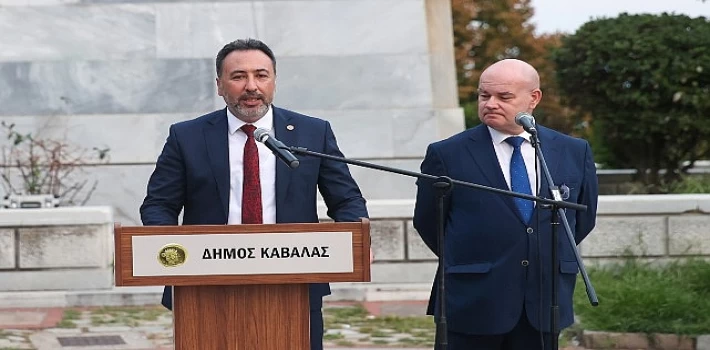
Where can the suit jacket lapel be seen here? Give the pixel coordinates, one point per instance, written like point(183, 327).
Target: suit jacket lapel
point(283, 172)
point(551, 152)
point(217, 143)
point(484, 156)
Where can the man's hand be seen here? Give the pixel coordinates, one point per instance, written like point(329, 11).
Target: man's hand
point(372, 256)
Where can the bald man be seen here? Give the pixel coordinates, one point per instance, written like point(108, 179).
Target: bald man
point(497, 249)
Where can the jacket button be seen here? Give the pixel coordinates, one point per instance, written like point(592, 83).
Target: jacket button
point(525, 263)
point(530, 230)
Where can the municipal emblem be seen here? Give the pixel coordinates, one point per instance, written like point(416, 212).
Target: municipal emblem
point(172, 255)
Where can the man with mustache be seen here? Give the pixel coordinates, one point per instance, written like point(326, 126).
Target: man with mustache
point(496, 248)
point(212, 168)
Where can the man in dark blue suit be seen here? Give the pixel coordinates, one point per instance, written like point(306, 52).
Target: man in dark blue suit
point(203, 166)
point(496, 252)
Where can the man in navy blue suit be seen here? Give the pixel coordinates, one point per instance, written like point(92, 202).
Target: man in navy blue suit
point(496, 252)
point(203, 166)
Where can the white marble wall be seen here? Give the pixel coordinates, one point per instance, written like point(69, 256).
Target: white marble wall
point(116, 74)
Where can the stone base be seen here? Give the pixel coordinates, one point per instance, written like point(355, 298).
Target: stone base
point(640, 341)
point(65, 248)
point(57, 279)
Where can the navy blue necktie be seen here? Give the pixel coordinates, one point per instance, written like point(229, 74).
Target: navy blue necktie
point(519, 181)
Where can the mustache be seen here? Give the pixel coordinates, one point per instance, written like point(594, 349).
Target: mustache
point(251, 95)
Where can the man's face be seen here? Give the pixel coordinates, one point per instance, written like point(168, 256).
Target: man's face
point(502, 94)
point(247, 84)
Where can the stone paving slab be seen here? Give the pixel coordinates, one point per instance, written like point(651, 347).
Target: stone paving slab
point(403, 308)
point(29, 318)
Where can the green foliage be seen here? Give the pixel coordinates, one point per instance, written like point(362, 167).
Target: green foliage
point(470, 112)
point(636, 297)
point(690, 184)
point(645, 79)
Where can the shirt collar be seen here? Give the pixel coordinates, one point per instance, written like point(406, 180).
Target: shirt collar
point(499, 137)
point(266, 122)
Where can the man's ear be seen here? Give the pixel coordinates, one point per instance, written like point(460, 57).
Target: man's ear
point(219, 87)
point(536, 96)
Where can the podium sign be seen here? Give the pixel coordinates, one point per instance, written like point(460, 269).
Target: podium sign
point(225, 254)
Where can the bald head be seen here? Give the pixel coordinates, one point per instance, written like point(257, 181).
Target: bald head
point(513, 70)
point(505, 89)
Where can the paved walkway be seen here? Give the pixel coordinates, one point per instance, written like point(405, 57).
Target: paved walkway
point(81, 321)
point(150, 327)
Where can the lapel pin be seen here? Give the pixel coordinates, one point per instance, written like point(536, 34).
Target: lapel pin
point(289, 127)
point(564, 192)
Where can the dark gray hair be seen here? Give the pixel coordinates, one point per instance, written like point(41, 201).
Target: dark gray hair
point(243, 45)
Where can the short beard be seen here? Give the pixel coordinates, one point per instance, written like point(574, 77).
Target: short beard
point(251, 114)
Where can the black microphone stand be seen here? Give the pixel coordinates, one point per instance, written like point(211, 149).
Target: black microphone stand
point(443, 186)
point(558, 212)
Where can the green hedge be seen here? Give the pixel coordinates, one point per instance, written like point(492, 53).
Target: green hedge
point(637, 297)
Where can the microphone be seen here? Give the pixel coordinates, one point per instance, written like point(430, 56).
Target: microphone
point(277, 147)
point(527, 121)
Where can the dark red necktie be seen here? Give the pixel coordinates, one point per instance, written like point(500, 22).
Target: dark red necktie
point(251, 186)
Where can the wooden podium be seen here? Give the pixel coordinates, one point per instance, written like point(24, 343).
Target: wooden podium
point(242, 287)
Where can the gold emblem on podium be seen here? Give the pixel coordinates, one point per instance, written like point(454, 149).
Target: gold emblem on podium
point(172, 255)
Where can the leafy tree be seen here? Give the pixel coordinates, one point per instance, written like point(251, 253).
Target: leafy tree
point(645, 81)
point(486, 31)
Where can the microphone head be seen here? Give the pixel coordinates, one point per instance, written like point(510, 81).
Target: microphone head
point(524, 115)
point(261, 134)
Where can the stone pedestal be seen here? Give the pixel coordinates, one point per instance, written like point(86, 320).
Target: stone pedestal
point(56, 249)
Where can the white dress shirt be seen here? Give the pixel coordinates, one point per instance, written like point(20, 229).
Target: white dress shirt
point(504, 152)
point(267, 169)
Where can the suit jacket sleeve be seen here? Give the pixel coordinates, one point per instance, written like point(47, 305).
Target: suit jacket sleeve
point(586, 220)
point(166, 188)
point(425, 208)
point(339, 190)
